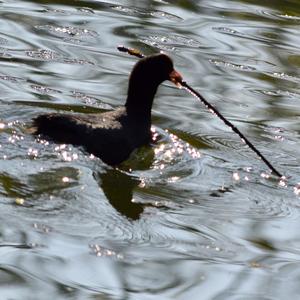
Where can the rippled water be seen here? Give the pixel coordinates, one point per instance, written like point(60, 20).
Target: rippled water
point(195, 217)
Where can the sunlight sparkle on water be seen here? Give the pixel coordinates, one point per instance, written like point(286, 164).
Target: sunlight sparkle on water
point(65, 179)
point(101, 251)
point(142, 183)
point(42, 228)
point(160, 149)
point(175, 148)
point(297, 189)
point(279, 137)
point(173, 179)
point(282, 182)
point(19, 201)
point(13, 138)
point(60, 147)
point(42, 141)
point(32, 153)
point(236, 176)
point(265, 175)
point(155, 134)
point(69, 156)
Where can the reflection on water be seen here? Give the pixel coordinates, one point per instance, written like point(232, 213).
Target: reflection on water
point(118, 189)
point(196, 213)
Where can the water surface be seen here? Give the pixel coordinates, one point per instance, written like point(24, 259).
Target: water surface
point(195, 216)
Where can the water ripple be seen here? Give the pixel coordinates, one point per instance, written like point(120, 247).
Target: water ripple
point(3, 41)
point(43, 54)
point(284, 76)
point(169, 43)
point(135, 11)
point(279, 93)
point(227, 30)
point(69, 32)
point(44, 90)
point(89, 100)
point(278, 15)
point(182, 214)
point(48, 55)
point(55, 11)
point(238, 34)
point(231, 65)
point(74, 61)
point(11, 78)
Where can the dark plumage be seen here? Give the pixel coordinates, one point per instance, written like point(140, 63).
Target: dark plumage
point(113, 135)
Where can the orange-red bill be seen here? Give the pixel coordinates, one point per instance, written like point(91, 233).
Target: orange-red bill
point(176, 78)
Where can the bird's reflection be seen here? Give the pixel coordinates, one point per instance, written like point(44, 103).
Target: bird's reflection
point(118, 185)
point(118, 188)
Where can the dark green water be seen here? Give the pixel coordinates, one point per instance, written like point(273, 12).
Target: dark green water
point(196, 216)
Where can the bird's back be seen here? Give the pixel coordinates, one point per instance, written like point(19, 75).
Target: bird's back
point(112, 136)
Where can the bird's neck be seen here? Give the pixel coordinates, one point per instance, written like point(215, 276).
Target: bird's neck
point(139, 101)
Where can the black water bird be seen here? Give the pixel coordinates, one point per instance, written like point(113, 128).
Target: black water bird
point(112, 136)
